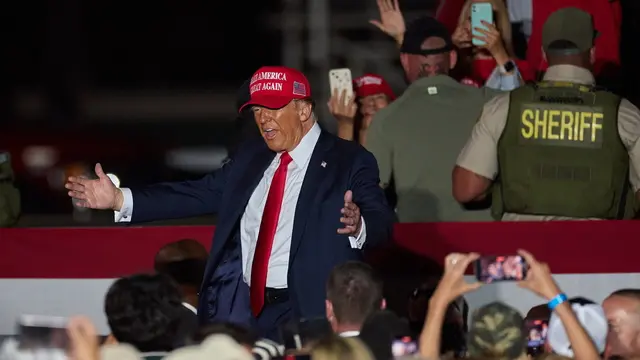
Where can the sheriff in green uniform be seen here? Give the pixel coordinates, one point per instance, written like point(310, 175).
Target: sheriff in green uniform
point(559, 149)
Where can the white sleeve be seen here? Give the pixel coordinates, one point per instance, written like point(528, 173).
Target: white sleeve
point(358, 242)
point(124, 215)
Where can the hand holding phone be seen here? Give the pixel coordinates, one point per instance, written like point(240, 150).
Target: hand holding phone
point(490, 269)
point(480, 12)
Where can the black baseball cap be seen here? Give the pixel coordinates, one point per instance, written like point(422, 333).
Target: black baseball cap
point(420, 30)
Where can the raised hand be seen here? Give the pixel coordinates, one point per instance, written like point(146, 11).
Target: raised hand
point(83, 338)
point(453, 285)
point(343, 108)
point(492, 40)
point(100, 193)
point(539, 278)
point(391, 20)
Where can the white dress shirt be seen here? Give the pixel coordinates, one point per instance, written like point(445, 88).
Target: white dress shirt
point(190, 307)
point(252, 217)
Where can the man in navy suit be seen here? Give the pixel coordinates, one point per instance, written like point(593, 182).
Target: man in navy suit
point(290, 207)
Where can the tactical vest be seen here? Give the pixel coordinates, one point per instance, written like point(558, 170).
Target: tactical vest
point(560, 154)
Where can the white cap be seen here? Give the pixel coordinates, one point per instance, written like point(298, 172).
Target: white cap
point(592, 319)
point(220, 347)
point(119, 352)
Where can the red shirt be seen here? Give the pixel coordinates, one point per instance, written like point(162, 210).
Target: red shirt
point(448, 13)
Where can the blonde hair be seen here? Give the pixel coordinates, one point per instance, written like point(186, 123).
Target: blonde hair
point(502, 21)
point(335, 347)
point(548, 356)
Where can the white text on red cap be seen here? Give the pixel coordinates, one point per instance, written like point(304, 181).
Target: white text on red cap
point(268, 86)
point(368, 80)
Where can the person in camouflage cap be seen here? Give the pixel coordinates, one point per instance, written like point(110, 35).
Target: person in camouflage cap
point(496, 332)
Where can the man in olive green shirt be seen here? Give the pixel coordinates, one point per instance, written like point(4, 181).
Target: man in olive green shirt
point(416, 139)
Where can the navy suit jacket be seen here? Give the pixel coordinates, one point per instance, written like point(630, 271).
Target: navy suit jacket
point(316, 247)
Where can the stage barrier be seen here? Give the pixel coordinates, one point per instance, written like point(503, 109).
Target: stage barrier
point(64, 271)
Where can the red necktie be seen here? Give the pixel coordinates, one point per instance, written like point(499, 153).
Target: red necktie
point(266, 235)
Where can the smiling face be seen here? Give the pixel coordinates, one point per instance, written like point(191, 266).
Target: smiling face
point(283, 129)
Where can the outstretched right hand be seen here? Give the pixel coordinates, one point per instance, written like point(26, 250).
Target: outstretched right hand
point(100, 193)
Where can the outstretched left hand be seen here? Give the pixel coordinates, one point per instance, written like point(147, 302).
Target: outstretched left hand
point(350, 216)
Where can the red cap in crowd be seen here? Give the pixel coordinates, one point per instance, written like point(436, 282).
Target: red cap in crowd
point(371, 84)
point(275, 86)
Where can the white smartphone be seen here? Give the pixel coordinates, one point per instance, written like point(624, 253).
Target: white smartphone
point(341, 80)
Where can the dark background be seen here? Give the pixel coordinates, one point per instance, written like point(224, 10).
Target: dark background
point(140, 43)
point(62, 57)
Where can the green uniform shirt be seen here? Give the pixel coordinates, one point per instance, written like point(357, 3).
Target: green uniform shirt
point(417, 139)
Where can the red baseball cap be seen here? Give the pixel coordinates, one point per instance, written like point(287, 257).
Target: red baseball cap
point(275, 86)
point(371, 84)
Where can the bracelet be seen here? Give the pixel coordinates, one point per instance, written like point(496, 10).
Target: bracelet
point(559, 299)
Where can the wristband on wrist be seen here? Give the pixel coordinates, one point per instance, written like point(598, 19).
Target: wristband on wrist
point(557, 300)
point(508, 67)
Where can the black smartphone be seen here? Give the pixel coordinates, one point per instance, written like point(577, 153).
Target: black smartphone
point(297, 334)
point(38, 332)
point(490, 269)
point(536, 336)
point(404, 346)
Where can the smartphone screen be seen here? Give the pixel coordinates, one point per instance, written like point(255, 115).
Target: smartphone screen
point(42, 332)
point(536, 336)
point(491, 269)
point(404, 346)
point(480, 12)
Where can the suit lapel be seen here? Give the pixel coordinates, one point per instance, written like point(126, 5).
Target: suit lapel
point(315, 180)
point(250, 179)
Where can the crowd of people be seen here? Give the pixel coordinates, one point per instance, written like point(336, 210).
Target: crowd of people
point(473, 137)
point(153, 316)
point(458, 84)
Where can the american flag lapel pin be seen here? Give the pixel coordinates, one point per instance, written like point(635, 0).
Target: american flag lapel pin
point(323, 164)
